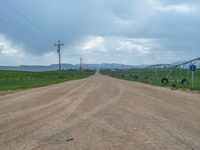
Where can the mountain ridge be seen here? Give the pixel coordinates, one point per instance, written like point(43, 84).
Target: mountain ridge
point(66, 66)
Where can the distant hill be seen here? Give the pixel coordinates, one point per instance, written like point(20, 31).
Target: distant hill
point(66, 67)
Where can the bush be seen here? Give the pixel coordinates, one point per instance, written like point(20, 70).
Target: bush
point(174, 85)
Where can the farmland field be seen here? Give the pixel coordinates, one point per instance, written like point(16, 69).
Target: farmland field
point(155, 76)
point(14, 80)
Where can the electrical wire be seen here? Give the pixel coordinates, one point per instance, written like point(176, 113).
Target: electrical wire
point(19, 13)
point(12, 21)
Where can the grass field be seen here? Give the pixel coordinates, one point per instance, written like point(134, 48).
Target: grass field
point(15, 80)
point(155, 76)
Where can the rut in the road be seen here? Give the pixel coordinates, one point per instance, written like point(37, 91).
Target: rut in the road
point(47, 114)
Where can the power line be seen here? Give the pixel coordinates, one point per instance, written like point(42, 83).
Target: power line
point(10, 21)
point(14, 22)
point(19, 13)
point(18, 24)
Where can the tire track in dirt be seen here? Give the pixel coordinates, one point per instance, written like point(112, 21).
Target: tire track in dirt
point(46, 115)
point(58, 118)
point(27, 95)
point(85, 116)
point(165, 125)
point(71, 108)
point(157, 101)
point(57, 101)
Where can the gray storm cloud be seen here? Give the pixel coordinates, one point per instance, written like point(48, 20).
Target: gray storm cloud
point(103, 29)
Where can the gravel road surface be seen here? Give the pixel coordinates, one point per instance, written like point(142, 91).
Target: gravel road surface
point(100, 113)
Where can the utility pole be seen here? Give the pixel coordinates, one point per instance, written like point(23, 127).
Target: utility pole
point(81, 64)
point(59, 44)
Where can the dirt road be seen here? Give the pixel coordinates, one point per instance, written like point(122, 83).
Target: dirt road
point(100, 113)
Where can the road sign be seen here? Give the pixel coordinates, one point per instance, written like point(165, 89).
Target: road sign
point(193, 67)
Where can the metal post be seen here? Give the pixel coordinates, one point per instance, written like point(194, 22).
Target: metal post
point(192, 79)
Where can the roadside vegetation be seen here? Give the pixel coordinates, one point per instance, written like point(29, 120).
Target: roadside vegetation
point(15, 80)
point(155, 77)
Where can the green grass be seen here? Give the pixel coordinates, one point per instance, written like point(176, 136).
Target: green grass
point(154, 77)
point(15, 80)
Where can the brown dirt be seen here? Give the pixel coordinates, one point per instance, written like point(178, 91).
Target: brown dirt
point(100, 113)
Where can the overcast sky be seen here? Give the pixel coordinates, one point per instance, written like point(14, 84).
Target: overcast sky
point(102, 31)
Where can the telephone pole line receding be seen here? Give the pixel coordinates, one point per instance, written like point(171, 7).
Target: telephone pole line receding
point(59, 44)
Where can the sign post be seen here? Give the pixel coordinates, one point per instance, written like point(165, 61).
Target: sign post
point(193, 68)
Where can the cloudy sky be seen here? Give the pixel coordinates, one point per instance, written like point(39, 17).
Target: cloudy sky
point(101, 31)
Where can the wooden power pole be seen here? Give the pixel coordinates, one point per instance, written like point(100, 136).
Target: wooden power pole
point(81, 64)
point(59, 44)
